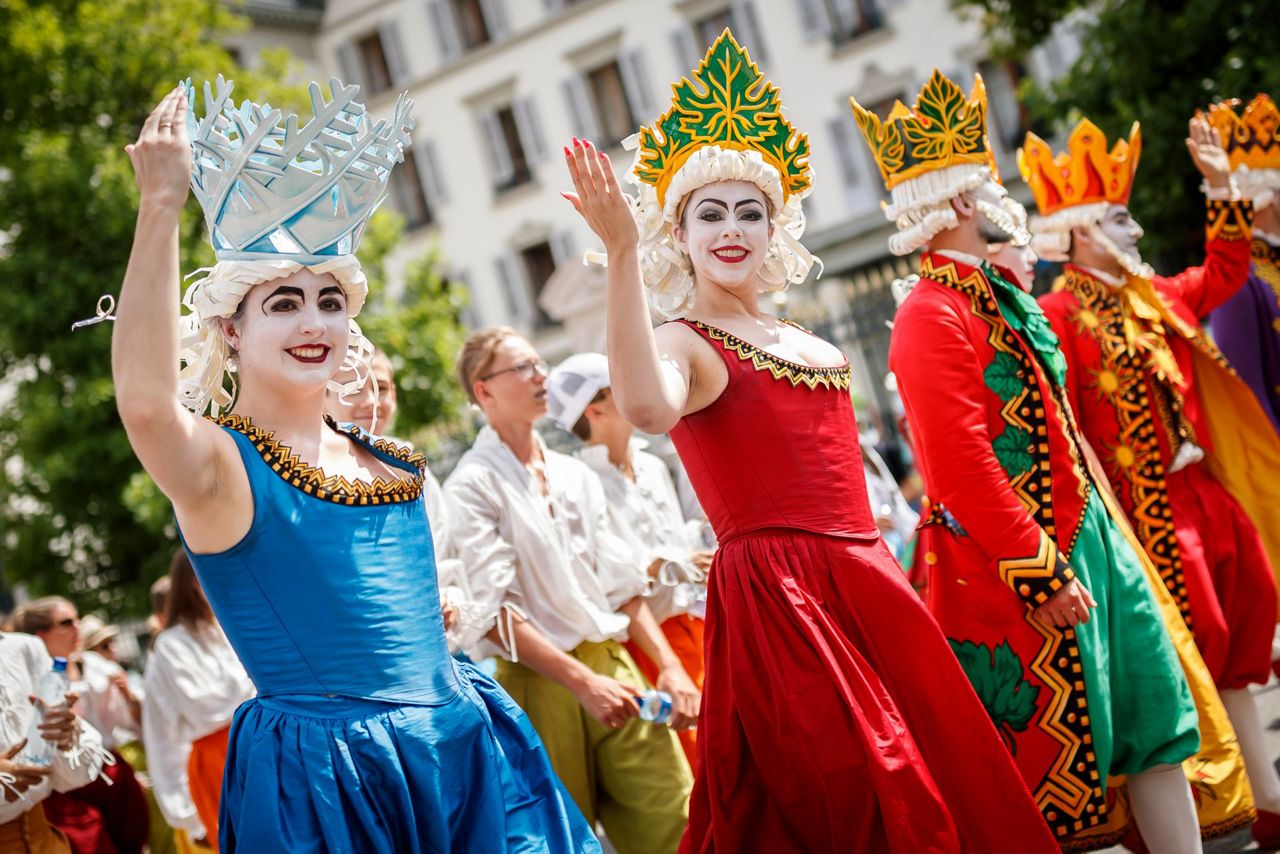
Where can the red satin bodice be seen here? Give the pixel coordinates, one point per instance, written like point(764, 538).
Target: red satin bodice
point(777, 449)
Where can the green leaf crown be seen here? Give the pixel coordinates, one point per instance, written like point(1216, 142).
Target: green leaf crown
point(944, 129)
point(730, 104)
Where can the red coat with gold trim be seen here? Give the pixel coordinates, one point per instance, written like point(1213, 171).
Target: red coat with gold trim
point(980, 406)
point(1144, 378)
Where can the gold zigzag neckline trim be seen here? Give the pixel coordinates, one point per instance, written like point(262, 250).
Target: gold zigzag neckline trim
point(333, 488)
point(781, 369)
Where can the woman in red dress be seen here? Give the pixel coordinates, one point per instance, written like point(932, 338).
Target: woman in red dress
point(834, 715)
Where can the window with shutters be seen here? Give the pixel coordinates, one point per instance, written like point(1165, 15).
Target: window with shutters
point(407, 190)
point(538, 262)
point(614, 115)
point(505, 133)
point(1008, 121)
point(840, 20)
point(473, 28)
point(375, 70)
point(708, 28)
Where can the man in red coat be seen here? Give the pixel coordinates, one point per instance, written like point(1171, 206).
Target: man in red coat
point(1156, 401)
point(1028, 572)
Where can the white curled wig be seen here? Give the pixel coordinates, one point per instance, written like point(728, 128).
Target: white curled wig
point(1260, 186)
point(667, 270)
point(921, 207)
point(207, 367)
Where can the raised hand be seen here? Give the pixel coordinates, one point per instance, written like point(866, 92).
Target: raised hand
point(162, 155)
point(1207, 152)
point(598, 198)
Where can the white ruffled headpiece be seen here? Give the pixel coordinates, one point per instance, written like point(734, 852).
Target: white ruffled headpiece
point(206, 381)
point(667, 272)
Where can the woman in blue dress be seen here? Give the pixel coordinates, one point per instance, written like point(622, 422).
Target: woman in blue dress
point(310, 540)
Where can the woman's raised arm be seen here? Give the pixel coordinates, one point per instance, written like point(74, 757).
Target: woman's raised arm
point(177, 448)
point(650, 389)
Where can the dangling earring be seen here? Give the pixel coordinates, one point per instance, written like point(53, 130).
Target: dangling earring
point(233, 362)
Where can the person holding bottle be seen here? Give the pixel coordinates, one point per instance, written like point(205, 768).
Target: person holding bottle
point(76, 757)
point(555, 592)
point(645, 512)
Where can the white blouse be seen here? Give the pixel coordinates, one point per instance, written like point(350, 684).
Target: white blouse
point(194, 683)
point(23, 662)
point(551, 559)
point(646, 513)
point(101, 702)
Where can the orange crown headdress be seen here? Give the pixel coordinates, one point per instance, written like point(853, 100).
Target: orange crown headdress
point(1252, 141)
point(1075, 187)
point(928, 155)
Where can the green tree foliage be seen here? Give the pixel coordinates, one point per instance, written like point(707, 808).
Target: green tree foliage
point(77, 516)
point(1155, 62)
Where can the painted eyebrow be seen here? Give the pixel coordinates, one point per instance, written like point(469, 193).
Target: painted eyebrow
point(332, 289)
point(285, 290)
point(714, 202)
point(747, 202)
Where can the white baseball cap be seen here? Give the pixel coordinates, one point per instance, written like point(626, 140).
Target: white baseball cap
point(573, 384)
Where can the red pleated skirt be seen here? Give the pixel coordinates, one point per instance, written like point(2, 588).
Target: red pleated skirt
point(835, 716)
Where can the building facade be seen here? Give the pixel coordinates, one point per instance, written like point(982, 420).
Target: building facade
point(501, 85)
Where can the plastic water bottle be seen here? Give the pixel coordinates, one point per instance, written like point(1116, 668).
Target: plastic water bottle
point(51, 693)
point(655, 706)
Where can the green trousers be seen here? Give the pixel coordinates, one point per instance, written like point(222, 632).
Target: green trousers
point(1140, 705)
point(634, 780)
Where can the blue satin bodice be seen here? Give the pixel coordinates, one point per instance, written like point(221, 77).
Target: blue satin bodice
point(333, 589)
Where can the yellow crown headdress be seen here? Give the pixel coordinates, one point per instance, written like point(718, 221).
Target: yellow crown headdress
point(725, 123)
point(1251, 138)
point(944, 129)
point(928, 155)
point(1252, 141)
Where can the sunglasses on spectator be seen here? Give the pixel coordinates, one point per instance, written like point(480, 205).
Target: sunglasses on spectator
point(67, 623)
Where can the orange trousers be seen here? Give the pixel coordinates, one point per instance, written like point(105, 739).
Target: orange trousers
point(684, 633)
point(205, 765)
point(30, 833)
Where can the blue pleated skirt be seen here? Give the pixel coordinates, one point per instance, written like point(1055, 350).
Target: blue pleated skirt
point(337, 774)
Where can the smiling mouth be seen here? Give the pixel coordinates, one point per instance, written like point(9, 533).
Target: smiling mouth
point(730, 254)
point(311, 355)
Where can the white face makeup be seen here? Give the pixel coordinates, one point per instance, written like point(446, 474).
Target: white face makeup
point(1120, 228)
point(291, 331)
point(1018, 260)
point(725, 233)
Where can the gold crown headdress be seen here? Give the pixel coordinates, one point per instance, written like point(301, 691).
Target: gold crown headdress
point(928, 155)
point(1252, 141)
point(725, 123)
point(1075, 187)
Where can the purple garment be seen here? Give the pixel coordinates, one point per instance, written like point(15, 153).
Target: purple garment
point(1247, 329)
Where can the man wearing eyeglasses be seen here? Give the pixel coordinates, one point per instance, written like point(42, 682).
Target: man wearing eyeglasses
point(555, 591)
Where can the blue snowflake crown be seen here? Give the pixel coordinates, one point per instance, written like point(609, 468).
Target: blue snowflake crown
point(271, 190)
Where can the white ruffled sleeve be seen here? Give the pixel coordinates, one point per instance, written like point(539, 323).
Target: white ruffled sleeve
point(82, 764)
point(488, 562)
point(618, 567)
point(167, 750)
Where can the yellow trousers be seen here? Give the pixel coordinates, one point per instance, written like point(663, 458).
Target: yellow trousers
point(634, 780)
